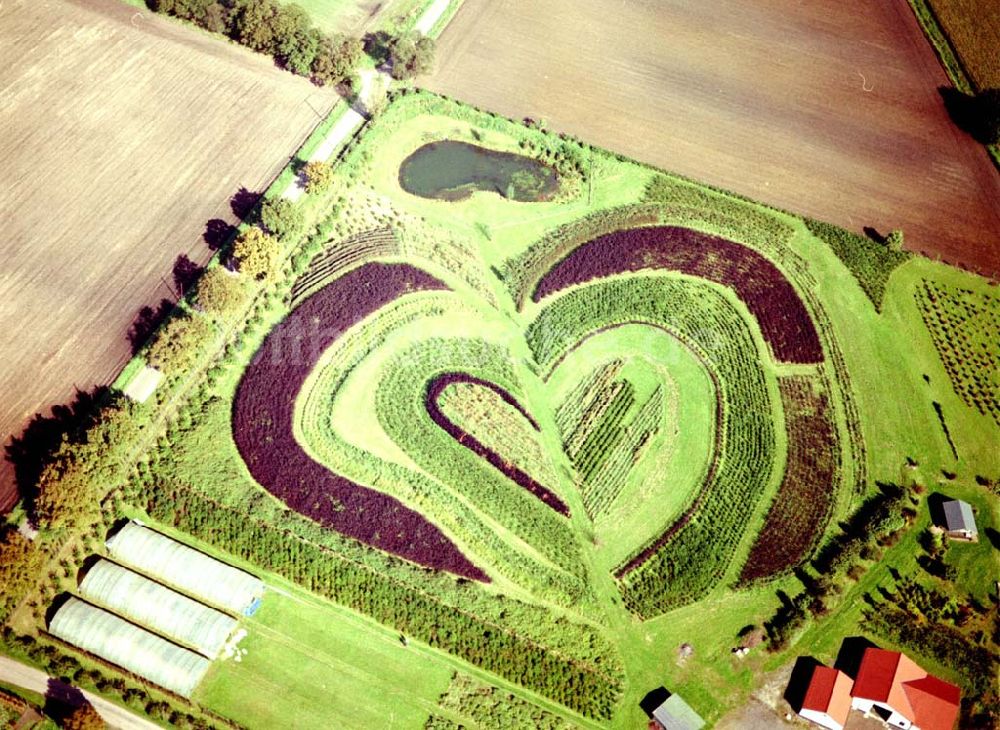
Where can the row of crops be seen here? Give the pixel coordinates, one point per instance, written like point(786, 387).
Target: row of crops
point(693, 554)
point(263, 415)
point(501, 427)
point(963, 326)
point(335, 259)
point(772, 300)
point(437, 499)
point(802, 506)
point(522, 272)
point(485, 706)
point(605, 429)
point(401, 401)
point(566, 661)
point(506, 404)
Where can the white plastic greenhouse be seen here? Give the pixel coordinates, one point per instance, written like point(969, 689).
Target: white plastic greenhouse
point(130, 647)
point(179, 566)
point(158, 608)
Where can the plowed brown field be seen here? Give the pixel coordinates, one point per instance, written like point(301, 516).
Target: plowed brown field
point(121, 135)
point(825, 108)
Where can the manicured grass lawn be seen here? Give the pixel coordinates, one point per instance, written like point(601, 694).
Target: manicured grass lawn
point(311, 665)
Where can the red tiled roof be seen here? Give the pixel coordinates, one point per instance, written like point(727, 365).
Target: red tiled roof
point(934, 701)
point(820, 689)
point(874, 680)
point(829, 692)
point(894, 679)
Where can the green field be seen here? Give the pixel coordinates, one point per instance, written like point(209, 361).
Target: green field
point(606, 455)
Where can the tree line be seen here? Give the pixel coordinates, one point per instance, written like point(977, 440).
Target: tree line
point(286, 32)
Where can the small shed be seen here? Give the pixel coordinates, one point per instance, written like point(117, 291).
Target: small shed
point(959, 520)
point(676, 714)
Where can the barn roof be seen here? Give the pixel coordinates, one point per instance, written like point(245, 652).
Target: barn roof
point(958, 516)
point(896, 680)
point(935, 702)
point(676, 714)
point(829, 692)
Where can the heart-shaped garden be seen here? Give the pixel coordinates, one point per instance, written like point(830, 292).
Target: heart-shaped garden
point(489, 447)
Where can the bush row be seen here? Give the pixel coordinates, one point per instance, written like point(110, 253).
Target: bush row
point(589, 687)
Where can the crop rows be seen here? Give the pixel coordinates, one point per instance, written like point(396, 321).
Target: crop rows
point(458, 257)
point(340, 255)
point(487, 706)
point(436, 499)
point(805, 498)
point(568, 662)
point(783, 319)
point(603, 488)
point(468, 439)
point(263, 415)
point(575, 414)
point(522, 272)
point(609, 434)
point(692, 554)
point(963, 325)
point(401, 408)
point(500, 426)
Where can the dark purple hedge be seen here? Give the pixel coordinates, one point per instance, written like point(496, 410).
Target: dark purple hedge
point(263, 413)
point(434, 389)
point(784, 321)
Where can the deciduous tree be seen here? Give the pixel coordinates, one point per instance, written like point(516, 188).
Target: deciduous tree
point(411, 55)
point(257, 252)
point(336, 58)
point(281, 217)
point(221, 292)
point(84, 717)
point(319, 176)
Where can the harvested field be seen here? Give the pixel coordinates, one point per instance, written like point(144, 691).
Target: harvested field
point(973, 28)
point(831, 110)
point(123, 135)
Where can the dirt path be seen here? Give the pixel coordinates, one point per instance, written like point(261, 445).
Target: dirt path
point(123, 134)
point(829, 109)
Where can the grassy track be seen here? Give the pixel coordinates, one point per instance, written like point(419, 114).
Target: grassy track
point(307, 666)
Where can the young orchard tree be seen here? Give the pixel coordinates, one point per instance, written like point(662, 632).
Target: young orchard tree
point(257, 252)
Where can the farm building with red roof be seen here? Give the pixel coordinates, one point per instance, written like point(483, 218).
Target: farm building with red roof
point(890, 685)
point(828, 698)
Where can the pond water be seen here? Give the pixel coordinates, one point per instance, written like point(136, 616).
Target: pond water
point(453, 170)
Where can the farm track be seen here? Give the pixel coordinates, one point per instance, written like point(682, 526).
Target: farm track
point(124, 134)
point(830, 111)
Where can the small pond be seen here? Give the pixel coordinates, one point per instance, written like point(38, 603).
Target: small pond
point(453, 170)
